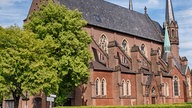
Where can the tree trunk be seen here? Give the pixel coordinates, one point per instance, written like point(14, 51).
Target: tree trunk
point(16, 101)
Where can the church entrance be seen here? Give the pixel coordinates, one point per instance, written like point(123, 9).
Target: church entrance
point(153, 100)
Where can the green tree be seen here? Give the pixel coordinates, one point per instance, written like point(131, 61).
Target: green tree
point(25, 65)
point(64, 27)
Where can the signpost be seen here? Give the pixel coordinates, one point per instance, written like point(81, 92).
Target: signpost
point(51, 99)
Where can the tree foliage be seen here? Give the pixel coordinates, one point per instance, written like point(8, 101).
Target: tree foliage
point(69, 45)
point(25, 64)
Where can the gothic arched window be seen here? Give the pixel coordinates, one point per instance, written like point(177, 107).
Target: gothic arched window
point(124, 60)
point(142, 47)
point(125, 46)
point(101, 57)
point(153, 91)
point(97, 87)
point(166, 89)
point(103, 42)
point(128, 88)
point(103, 87)
point(123, 88)
point(176, 85)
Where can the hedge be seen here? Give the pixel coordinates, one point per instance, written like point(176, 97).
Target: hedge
point(187, 105)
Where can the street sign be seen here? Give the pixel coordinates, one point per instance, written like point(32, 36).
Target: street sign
point(52, 95)
point(51, 99)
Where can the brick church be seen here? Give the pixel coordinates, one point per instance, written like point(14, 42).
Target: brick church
point(136, 60)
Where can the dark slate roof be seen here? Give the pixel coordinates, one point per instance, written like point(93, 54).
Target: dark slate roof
point(100, 67)
point(165, 56)
point(103, 14)
point(126, 70)
point(184, 69)
point(165, 74)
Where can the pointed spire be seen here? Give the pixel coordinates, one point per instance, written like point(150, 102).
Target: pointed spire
point(167, 45)
point(130, 5)
point(169, 12)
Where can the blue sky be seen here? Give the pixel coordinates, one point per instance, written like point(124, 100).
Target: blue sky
point(15, 11)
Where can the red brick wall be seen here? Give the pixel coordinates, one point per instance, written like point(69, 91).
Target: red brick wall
point(180, 98)
point(132, 78)
point(119, 37)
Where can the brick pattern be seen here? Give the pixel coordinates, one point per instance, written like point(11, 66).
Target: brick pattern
point(150, 61)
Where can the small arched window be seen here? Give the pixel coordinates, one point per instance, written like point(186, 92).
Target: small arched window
point(125, 46)
point(101, 57)
point(123, 88)
point(159, 51)
point(128, 88)
point(176, 85)
point(103, 42)
point(173, 33)
point(142, 47)
point(124, 60)
point(103, 87)
point(153, 91)
point(97, 87)
point(166, 89)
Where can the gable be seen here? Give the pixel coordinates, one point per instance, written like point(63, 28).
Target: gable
point(188, 72)
point(175, 71)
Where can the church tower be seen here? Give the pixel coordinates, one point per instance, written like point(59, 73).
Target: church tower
point(172, 27)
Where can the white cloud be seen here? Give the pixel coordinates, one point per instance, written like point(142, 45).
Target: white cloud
point(184, 16)
point(185, 27)
point(9, 2)
point(153, 2)
point(13, 12)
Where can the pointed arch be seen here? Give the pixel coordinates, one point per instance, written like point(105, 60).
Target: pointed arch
point(124, 60)
point(103, 43)
point(143, 49)
point(125, 46)
point(159, 51)
point(153, 91)
point(101, 57)
point(123, 88)
point(103, 87)
point(166, 86)
point(176, 86)
point(97, 86)
point(128, 87)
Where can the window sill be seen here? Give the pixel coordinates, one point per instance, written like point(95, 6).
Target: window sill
point(100, 97)
point(125, 97)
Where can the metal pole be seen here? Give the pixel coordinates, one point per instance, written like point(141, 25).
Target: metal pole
point(26, 104)
point(50, 105)
point(26, 99)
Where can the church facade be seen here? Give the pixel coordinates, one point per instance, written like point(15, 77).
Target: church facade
point(136, 60)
